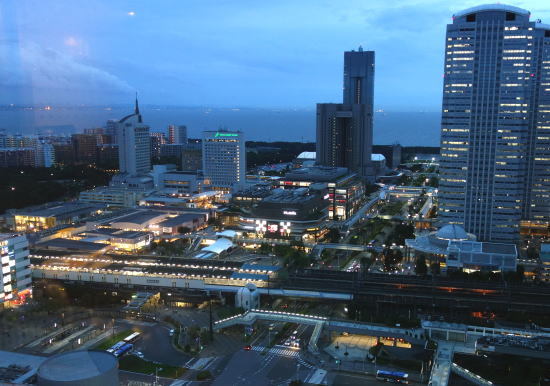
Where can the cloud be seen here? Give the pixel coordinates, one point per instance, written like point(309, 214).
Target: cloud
point(30, 65)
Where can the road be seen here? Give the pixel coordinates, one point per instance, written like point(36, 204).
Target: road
point(343, 379)
point(155, 343)
point(264, 366)
point(253, 368)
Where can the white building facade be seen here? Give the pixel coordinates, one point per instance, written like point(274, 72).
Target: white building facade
point(224, 158)
point(134, 145)
point(16, 271)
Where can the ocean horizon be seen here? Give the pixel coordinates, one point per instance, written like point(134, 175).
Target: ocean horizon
point(258, 124)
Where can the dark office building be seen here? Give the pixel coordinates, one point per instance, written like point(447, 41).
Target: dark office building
point(191, 159)
point(344, 130)
point(64, 153)
point(84, 147)
point(107, 154)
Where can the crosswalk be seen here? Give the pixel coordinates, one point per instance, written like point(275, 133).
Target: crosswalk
point(280, 351)
point(286, 352)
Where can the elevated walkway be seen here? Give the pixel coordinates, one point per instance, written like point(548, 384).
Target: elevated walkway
point(319, 248)
point(251, 316)
point(441, 369)
point(468, 375)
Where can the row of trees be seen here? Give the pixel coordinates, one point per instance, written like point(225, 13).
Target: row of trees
point(21, 187)
point(518, 276)
point(294, 255)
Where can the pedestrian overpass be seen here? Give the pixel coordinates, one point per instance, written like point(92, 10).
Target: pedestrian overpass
point(249, 317)
point(319, 248)
point(320, 322)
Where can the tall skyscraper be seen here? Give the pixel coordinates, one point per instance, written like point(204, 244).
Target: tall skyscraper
point(177, 134)
point(224, 158)
point(344, 131)
point(84, 148)
point(110, 130)
point(134, 145)
point(495, 129)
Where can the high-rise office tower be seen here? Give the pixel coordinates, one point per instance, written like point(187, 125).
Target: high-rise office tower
point(177, 134)
point(16, 272)
point(495, 129)
point(224, 158)
point(84, 148)
point(110, 130)
point(157, 140)
point(134, 145)
point(344, 131)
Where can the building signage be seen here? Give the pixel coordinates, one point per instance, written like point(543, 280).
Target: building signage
point(289, 212)
point(219, 134)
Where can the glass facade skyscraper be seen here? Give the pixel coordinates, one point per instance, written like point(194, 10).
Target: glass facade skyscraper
point(495, 130)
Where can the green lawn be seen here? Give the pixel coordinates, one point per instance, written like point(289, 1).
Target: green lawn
point(111, 340)
point(138, 365)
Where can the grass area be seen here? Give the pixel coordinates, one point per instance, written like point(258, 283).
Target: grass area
point(138, 365)
point(110, 341)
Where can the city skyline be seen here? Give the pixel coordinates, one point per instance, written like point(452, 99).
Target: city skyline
point(106, 52)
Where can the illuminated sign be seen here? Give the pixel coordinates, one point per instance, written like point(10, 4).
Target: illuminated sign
point(289, 212)
point(272, 228)
point(218, 134)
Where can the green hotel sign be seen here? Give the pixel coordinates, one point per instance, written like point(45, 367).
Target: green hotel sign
point(219, 134)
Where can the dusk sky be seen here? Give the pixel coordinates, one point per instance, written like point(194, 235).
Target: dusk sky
point(238, 53)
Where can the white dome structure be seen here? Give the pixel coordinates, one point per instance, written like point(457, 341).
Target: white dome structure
point(248, 297)
point(452, 232)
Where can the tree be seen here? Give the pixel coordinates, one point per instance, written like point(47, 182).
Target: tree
point(420, 267)
point(435, 268)
point(265, 248)
point(532, 253)
point(333, 235)
point(520, 273)
point(297, 259)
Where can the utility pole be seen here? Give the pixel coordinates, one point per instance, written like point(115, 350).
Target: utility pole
point(211, 324)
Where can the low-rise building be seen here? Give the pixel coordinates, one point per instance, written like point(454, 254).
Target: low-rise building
point(131, 240)
point(139, 220)
point(52, 214)
point(288, 214)
point(455, 249)
point(116, 196)
point(175, 225)
point(344, 190)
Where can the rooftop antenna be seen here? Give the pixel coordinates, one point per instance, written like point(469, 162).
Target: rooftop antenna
point(360, 49)
point(136, 110)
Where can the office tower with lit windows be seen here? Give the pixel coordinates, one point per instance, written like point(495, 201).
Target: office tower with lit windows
point(344, 130)
point(16, 272)
point(177, 134)
point(224, 158)
point(134, 145)
point(157, 140)
point(495, 129)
